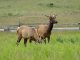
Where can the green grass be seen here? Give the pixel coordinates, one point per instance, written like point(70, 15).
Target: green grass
point(63, 46)
point(12, 11)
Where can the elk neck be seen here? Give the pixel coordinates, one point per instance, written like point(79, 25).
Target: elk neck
point(50, 26)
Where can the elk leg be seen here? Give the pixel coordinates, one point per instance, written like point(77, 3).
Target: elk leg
point(48, 39)
point(18, 41)
point(25, 41)
point(45, 40)
point(30, 41)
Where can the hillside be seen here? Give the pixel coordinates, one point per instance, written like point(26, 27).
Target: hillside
point(28, 11)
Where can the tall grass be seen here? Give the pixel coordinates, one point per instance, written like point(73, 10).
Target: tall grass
point(63, 46)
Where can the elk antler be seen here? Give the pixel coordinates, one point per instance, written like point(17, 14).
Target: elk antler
point(47, 15)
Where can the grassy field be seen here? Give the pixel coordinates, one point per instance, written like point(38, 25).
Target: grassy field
point(63, 46)
point(28, 11)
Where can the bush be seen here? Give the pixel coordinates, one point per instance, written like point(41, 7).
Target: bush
point(10, 14)
point(51, 4)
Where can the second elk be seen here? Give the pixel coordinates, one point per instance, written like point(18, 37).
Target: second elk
point(27, 33)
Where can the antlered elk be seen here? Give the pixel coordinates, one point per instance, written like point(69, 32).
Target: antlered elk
point(44, 31)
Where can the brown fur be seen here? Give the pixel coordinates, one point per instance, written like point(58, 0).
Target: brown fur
point(44, 31)
point(26, 33)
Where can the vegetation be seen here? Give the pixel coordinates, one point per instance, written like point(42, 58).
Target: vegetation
point(63, 46)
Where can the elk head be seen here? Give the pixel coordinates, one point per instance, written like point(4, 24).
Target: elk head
point(52, 19)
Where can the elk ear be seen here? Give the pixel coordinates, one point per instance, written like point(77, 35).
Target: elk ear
point(47, 16)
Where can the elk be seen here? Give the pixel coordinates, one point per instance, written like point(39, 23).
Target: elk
point(27, 33)
point(44, 30)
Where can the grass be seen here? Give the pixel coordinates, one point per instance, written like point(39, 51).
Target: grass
point(63, 46)
point(12, 11)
